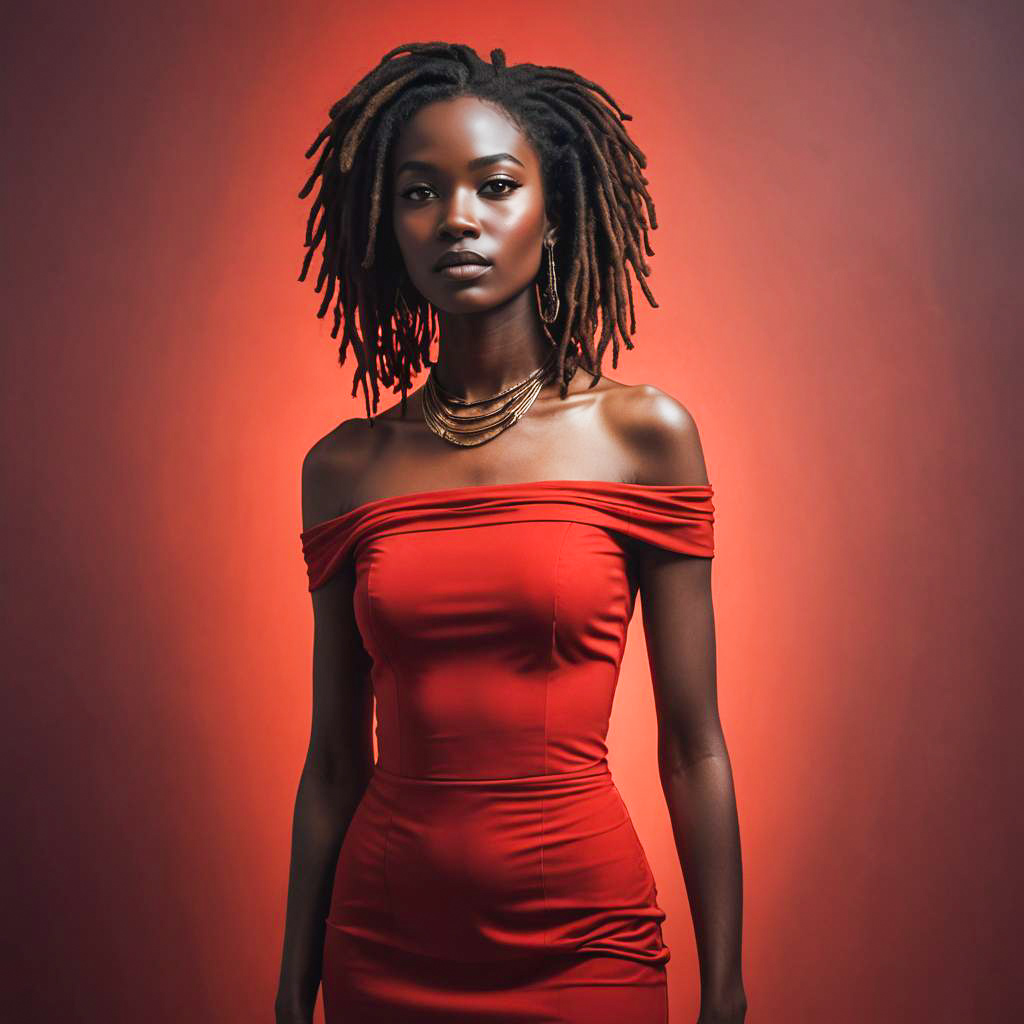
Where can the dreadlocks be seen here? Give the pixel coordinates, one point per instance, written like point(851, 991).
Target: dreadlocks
point(592, 179)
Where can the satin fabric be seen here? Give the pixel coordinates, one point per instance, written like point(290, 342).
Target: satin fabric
point(491, 871)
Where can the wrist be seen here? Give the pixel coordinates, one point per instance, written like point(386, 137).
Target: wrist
point(721, 1015)
point(292, 1017)
point(727, 1007)
point(292, 1012)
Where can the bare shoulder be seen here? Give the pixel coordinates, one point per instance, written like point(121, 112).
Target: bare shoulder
point(660, 433)
point(328, 469)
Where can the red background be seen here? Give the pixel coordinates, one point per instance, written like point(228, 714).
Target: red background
point(838, 271)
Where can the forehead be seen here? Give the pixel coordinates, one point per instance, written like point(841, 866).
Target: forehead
point(450, 133)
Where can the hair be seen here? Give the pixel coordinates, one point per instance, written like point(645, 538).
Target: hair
point(594, 193)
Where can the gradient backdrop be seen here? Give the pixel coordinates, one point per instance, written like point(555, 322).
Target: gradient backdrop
point(838, 270)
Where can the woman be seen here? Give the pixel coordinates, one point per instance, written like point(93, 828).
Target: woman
point(474, 555)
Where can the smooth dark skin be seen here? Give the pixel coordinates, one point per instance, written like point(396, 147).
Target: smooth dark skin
point(492, 337)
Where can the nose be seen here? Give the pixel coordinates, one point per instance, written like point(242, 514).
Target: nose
point(457, 219)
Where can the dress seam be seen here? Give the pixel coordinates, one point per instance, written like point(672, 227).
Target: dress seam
point(547, 691)
point(391, 668)
point(398, 733)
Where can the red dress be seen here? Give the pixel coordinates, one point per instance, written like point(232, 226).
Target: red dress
point(491, 872)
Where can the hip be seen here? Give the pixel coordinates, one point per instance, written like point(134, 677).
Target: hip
point(490, 869)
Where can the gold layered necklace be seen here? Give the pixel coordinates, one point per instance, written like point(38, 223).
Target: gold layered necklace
point(471, 423)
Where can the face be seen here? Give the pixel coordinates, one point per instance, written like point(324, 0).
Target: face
point(466, 178)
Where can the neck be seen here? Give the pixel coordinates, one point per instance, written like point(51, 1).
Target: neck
point(481, 354)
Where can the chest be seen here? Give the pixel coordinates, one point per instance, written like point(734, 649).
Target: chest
point(522, 588)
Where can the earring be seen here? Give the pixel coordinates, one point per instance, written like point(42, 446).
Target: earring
point(552, 289)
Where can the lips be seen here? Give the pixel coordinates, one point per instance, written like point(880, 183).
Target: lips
point(460, 258)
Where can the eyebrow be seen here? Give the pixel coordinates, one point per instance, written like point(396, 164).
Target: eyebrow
point(480, 161)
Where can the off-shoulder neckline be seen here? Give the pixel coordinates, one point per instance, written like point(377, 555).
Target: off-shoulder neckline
point(367, 507)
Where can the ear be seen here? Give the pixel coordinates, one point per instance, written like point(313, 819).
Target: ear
point(550, 235)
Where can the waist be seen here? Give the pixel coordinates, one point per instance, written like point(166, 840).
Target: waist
point(597, 774)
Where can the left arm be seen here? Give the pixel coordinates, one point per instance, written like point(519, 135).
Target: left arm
point(693, 762)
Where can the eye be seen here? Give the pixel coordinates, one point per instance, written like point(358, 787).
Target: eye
point(408, 193)
point(510, 185)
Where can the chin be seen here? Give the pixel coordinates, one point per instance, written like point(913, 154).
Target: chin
point(468, 299)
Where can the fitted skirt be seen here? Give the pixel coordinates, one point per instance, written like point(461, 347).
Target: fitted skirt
point(523, 901)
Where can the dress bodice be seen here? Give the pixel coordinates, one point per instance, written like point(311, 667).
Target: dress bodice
point(496, 615)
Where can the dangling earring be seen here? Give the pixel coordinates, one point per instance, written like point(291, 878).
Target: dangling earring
point(552, 289)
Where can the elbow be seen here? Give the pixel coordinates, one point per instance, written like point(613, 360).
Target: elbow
point(339, 792)
point(672, 767)
point(339, 772)
point(679, 754)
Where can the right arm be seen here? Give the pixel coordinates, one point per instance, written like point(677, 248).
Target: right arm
point(338, 764)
